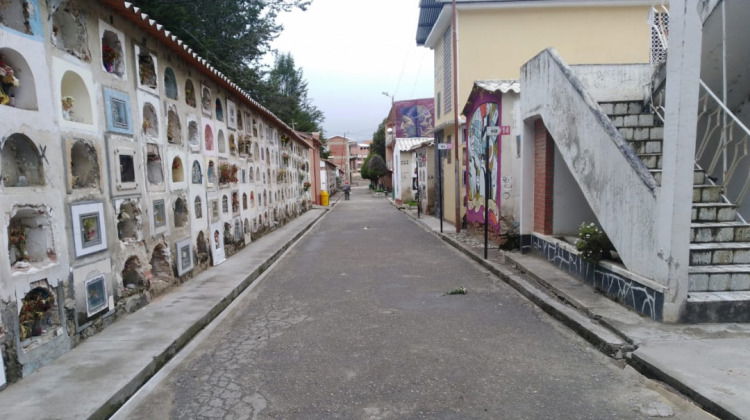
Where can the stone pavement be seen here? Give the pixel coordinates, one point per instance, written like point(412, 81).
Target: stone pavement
point(95, 378)
point(710, 363)
point(354, 322)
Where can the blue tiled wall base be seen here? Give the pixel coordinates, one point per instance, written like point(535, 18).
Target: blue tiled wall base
point(628, 292)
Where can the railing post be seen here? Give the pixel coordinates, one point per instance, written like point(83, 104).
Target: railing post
point(674, 204)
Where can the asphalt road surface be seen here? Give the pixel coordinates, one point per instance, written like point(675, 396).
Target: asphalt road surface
point(354, 323)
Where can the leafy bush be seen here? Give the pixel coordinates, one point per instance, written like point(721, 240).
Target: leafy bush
point(593, 243)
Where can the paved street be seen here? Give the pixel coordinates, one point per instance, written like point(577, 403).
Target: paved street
point(354, 323)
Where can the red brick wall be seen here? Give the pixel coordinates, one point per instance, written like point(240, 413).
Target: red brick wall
point(544, 158)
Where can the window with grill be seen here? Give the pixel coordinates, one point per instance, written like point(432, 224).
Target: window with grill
point(659, 34)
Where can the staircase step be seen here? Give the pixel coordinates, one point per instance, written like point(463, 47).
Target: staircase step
point(719, 232)
point(719, 253)
point(639, 133)
point(633, 121)
point(699, 177)
point(711, 278)
point(717, 307)
point(646, 146)
point(714, 212)
point(707, 193)
point(622, 107)
point(651, 160)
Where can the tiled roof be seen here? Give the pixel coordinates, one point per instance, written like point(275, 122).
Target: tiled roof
point(134, 14)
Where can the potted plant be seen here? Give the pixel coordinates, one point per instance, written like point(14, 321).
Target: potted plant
point(593, 243)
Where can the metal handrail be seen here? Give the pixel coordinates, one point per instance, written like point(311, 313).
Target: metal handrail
point(724, 107)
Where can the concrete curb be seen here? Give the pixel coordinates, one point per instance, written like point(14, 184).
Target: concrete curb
point(651, 370)
point(606, 337)
point(121, 396)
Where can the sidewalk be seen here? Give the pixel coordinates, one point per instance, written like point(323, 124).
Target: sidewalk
point(98, 376)
point(710, 363)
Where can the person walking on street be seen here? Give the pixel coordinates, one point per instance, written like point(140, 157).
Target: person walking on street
point(347, 190)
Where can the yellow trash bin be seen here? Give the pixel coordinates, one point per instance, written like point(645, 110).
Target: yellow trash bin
point(324, 198)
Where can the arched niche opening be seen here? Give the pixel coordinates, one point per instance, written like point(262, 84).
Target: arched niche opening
point(160, 267)
point(268, 157)
point(246, 226)
point(193, 137)
point(208, 138)
point(252, 199)
point(113, 58)
point(154, 171)
point(30, 238)
point(206, 99)
point(128, 221)
point(69, 31)
point(178, 170)
point(251, 174)
point(76, 102)
point(244, 201)
point(201, 246)
point(198, 207)
point(196, 176)
point(84, 165)
point(211, 173)
point(228, 237)
point(235, 202)
point(225, 204)
point(174, 128)
point(147, 70)
point(21, 162)
point(232, 145)
point(181, 213)
point(219, 110)
point(17, 86)
point(170, 84)
point(222, 142)
point(150, 123)
point(255, 151)
point(39, 316)
point(257, 174)
point(239, 120)
point(132, 274)
point(190, 93)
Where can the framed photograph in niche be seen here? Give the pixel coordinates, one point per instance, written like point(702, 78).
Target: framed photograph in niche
point(89, 229)
point(217, 244)
point(117, 111)
point(231, 114)
point(96, 295)
point(206, 100)
point(184, 256)
point(125, 164)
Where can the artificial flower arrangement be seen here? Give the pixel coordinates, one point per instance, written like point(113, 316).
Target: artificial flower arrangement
point(8, 81)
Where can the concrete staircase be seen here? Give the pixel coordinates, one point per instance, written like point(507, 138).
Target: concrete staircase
point(719, 270)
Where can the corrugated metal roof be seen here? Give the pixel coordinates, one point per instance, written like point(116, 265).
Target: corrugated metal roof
point(429, 142)
point(405, 144)
point(502, 86)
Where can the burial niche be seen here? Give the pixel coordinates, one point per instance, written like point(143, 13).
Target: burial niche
point(132, 274)
point(198, 207)
point(15, 14)
point(17, 86)
point(69, 31)
point(178, 172)
point(153, 165)
point(232, 145)
point(190, 93)
point(39, 314)
point(235, 202)
point(160, 266)
point(174, 129)
point(76, 102)
point(196, 173)
point(219, 110)
point(201, 245)
point(84, 165)
point(128, 221)
point(224, 204)
point(30, 238)
point(112, 54)
point(222, 142)
point(22, 163)
point(147, 70)
point(170, 84)
point(208, 138)
point(150, 121)
point(181, 215)
point(193, 134)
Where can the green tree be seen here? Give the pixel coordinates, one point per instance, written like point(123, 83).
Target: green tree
point(288, 99)
point(232, 34)
point(376, 167)
point(378, 140)
point(364, 171)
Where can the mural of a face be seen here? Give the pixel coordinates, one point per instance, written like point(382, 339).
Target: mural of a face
point(486, 115)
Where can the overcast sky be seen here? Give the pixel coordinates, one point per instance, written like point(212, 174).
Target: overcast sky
point(350, 52)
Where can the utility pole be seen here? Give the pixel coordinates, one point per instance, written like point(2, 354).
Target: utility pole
point(457, 163)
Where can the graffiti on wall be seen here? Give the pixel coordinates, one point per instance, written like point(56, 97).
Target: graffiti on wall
point(414, 118)
point(485, 115)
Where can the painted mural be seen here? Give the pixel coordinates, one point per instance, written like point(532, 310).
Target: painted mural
point(484, 115)
point(415, 118)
